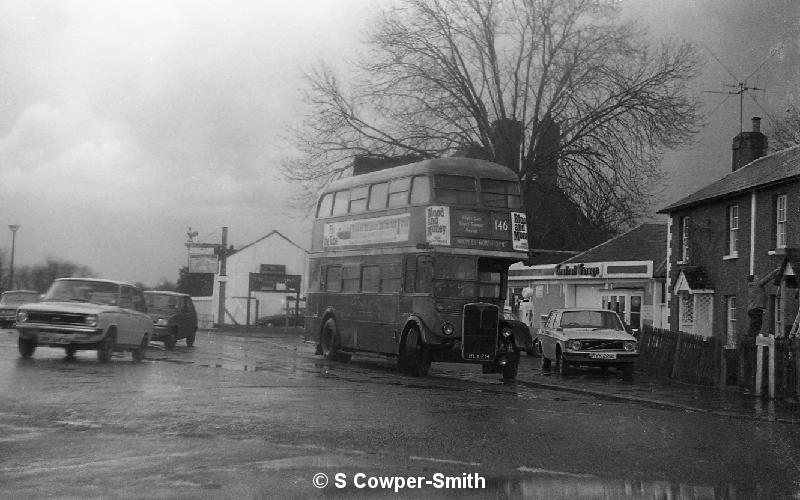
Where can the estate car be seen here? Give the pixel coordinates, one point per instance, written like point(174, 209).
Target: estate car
point(86, 314)
point(591, 337)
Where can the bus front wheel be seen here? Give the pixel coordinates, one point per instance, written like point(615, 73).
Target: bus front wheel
point(329, 340)
point(415, 356)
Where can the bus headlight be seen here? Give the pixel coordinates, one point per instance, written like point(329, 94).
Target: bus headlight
point(22, 316)
point(629, 346)
point(506, 331)
point(448, 329)
point(574, 345)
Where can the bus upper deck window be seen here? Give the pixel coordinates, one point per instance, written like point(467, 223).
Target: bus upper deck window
point(398, 192)
point(420, 189)
point(325, 205)
point(455, 189)
point(341, 202)
point(358, 199)
point(501, 194)
point(377, 196)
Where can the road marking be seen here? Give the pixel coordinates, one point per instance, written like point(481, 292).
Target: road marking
point(445, 461)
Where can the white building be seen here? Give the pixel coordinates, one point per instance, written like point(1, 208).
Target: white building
point(259, 278)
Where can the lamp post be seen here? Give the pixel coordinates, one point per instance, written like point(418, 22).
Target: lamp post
point(13, 228)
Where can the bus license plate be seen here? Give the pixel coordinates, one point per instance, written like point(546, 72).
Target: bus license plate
point(603, 355)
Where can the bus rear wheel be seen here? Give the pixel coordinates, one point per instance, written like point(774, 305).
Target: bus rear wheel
point(415, 356)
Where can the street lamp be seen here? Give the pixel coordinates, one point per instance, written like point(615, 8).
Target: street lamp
point(13, 228)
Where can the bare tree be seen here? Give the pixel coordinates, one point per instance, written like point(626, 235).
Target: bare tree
point(786, 130)
point(494, 79)
point(39, 277)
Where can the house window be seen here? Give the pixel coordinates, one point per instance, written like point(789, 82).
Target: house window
point(683, 232)
point(733, 229)
point(780, 221)
point(778, 314)
point(730, 308)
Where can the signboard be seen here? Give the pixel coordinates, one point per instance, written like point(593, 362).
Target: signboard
point(268, 282)
point(437, 225)
point(202, 258)
point(387, 229)
point(519, 231)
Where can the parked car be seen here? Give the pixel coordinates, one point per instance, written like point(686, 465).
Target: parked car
point(592, 337)
point(10, 301)
point(282, 320)
point(174, 317)
point(86, 314)
point(519, 330)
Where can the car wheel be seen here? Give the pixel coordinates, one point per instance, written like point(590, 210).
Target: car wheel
point(190, 338)
point(71, 350)
point(26, 347)
point(106, 348)
point(171, 340)
point(511, 367)
point(415, 357)
point(138, 354)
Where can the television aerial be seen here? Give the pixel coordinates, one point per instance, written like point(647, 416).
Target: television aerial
point(741, 86)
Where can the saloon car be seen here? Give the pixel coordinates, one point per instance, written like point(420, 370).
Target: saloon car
point(86, 314)
point(10, 301)
point(174, 317)
point(590, 337)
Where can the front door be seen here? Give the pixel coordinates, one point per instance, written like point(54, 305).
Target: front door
point(628, 306)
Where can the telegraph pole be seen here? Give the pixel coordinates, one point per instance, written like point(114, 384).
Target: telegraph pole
point(223, 277)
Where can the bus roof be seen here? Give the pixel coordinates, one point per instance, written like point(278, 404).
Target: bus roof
point(451, 165)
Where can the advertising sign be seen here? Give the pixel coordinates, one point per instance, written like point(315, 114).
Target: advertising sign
point(519, 231)
point(437, 225)
point(387, 229)
point(202, 258)
point(268, 282)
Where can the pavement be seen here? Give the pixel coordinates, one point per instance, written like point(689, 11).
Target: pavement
point(644, 389)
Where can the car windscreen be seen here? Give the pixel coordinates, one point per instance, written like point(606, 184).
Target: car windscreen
point(590, 319)
point(98, 292)
point(161, 302)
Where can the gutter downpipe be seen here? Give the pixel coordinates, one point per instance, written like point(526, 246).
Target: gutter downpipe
point(752, 232)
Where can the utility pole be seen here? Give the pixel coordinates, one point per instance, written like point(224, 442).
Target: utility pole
point(13, 228)
point(223, 277)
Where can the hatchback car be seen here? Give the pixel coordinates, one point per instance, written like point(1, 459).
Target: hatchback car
point(590, 337)
point(10, 301)
point(90, 314)
point(174, 317)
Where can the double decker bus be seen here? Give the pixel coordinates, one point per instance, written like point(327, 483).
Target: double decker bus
point(412, 261)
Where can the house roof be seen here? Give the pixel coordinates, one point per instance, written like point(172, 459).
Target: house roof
point(271, 233)
point(770, 169)
point(645, 242)
point(695, 278)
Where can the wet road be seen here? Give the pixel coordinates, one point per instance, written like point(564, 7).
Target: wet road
point(259, 415)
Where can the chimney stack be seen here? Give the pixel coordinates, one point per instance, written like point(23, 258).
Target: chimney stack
point(749, 146)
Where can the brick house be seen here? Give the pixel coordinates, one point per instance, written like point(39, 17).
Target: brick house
point(732, 232)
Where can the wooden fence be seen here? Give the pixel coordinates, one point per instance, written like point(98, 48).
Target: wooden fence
point(677, 355)
point(702, 360)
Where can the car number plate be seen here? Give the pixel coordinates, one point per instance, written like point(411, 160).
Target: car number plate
point(47, 339)
point(603, 355)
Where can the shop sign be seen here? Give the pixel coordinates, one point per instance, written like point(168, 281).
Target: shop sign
point(387, 229)
point(578, 270)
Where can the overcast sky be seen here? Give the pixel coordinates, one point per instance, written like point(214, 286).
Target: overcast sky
point(124, 123)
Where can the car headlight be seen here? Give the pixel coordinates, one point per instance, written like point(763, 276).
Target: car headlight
point(22, 316)
point(91, 319)
point(574, 345)
point(448, 329)
point(161, 322)
point(506, 331)
point(629, 346)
